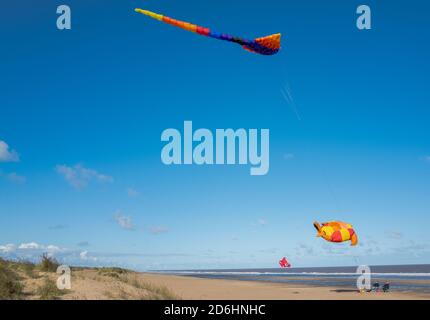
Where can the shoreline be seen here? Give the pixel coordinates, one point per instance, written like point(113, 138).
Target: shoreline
point(195, 288)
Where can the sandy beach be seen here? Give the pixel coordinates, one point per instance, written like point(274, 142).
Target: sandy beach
point(197, 288)
point(34, 282)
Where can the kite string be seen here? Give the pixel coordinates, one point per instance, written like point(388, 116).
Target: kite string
point(286, 93)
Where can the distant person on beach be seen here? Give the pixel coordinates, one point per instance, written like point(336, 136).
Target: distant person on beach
point(376, 287)
point(386, 287)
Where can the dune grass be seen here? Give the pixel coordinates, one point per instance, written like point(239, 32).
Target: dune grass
point(154, 292)
point(10, 286)
point(48, 264)
point(49, 291)
point(158, 292)
point(29, 268)
point(112, 272)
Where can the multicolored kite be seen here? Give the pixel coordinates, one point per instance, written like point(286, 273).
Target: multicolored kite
point(336, 231)
point(268, 45)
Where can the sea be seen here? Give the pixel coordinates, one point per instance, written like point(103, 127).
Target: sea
point(402, 278)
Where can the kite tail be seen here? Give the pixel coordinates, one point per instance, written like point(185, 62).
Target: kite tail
point(265, 45)
point(177, 23)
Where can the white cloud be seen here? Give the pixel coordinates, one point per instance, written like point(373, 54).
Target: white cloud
point(262, 222)
point(83, 255)
point(159, 229)
point(427, 158)
point(123, 221)
point(412, 247)
point(288, 156)
point(33, 251)
point(132, 193)
point(86, 257)
point(396, 235)
point(78, 176)
point(259, 223)
point(6, 154)
point(52, 248)
point(15, 178)
point(7, 248)
point(38, 247)
point(30, 245)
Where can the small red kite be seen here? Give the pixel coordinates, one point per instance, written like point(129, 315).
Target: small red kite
point(284, 263)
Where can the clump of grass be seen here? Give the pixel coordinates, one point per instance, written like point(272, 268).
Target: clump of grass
point(158, 292)
point(112, 272)
point(48, 264)
point(10, 286)
point(49, 291)
point(154, 292)
point(28, 268)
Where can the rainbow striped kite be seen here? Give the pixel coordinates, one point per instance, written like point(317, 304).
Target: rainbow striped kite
point(268, 45)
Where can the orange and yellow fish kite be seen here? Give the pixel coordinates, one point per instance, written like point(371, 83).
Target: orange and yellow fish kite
point(336, 231)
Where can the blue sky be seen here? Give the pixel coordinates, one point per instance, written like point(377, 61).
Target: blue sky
point(82, 111)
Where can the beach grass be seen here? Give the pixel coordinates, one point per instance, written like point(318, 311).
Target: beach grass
point(48, 264)
point(153, 292)
point(49, 291)
point(10, 285)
